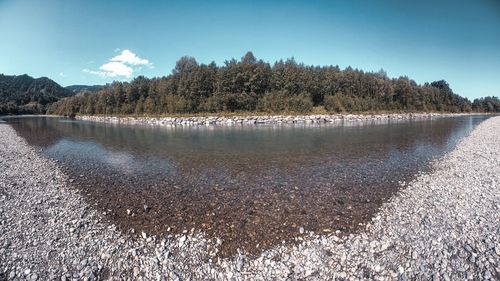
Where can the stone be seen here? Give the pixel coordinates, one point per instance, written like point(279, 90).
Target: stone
point(136, 271)
point(182, 240)
point(468, 248)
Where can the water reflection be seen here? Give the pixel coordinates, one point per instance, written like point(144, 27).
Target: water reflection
point(250, 185)
point(116, 161)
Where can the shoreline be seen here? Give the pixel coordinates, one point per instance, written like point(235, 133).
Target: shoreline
point(444, 224)
point(239, 120)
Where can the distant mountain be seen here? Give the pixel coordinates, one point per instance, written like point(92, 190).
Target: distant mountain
point(23, 94)
point(84, 88)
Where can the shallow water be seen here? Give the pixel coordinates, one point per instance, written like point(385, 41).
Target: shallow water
point(252, 186)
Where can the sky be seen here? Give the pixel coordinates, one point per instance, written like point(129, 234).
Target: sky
point(95, 42)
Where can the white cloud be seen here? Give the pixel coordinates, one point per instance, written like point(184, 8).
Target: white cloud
point(113, 69)
point(121, 66)
point(128, 57)
point(62, 74)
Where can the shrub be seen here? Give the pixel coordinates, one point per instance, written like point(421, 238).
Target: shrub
point(176, 104)
point(278, 102)
point(228, 102)
point(333, 104)
point(300, 104)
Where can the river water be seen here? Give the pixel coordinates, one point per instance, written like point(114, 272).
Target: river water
point(251, 186)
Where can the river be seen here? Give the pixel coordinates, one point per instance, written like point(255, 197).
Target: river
point(251, 186)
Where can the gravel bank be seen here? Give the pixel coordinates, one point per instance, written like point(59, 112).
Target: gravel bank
point(262, 119)
point(443, 225)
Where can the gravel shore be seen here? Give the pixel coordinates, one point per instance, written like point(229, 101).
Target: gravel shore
point(264, 119)
point(443, 225)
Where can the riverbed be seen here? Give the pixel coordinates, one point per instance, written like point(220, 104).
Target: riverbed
point(444, 224)
point(253, 187)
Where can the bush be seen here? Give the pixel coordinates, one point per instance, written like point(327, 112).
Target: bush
point(340, 103)
point(176, 104)
point(279, 102)
point(300, 104)
point(228, 102)
point(333, 104)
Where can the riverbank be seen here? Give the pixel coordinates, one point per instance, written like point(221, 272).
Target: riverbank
point(263, 119)
point(444, 224)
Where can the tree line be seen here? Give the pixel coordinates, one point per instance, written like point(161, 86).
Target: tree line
point(252, 85)
point(486, 104)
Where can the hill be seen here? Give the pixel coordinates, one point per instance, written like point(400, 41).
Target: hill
point(23, 94)
point(84, 88)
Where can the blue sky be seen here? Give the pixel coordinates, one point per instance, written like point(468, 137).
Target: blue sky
point(95, 42)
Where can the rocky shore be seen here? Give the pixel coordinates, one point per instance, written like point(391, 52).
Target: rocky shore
point(261, 119)
point(442, 226)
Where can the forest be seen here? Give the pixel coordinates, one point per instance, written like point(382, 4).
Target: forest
point(252, 85)
point(486, 104)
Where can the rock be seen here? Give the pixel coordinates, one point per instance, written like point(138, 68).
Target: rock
point(182, 240)
point(136, 271)
point(468, 248)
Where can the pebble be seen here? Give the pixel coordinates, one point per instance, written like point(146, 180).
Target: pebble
point(182, 239)
point(136, 271)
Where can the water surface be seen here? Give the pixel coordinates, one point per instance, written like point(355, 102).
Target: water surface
point(252, 186)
